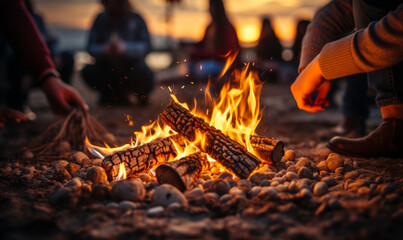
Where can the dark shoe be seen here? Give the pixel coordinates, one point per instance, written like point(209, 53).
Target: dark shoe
point(385, 141)
point(350, 126)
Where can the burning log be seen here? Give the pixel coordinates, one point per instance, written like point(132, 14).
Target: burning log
point(183, 172)
point(142, 158)
point(231, 154)
point(270, 150)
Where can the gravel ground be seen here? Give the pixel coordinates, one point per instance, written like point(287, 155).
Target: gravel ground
point(311, 194)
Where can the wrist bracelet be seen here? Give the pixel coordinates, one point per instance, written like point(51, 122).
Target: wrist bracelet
point(48, 75)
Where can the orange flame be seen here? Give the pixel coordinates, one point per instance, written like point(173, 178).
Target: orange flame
point(122, 172)
point(236, 112)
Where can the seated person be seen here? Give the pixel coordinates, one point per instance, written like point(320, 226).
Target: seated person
point(208, 56)
point(119, 41)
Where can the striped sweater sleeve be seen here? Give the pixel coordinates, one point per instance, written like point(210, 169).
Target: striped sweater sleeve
point(378, 46)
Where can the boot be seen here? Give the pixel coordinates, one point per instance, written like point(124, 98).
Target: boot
point(350, 126)
point(385, 141)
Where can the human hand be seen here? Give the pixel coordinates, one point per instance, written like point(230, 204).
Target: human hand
point(311, 79)
point(10, 115)
point(61, 97)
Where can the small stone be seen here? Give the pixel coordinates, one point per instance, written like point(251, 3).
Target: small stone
point(282, 188)
point(303, 162)
point(194, 193)
point(304, 172)
point(78, 157)
point(126, 205)
point(273, 184)
point(329, 180)
point(174, 206)
point(306, 193)
point(323, 174)
point(62, 175)
point(207, 184)
point(225, 175)
point(292, 168)
point(220, 187)
point(363, 191)
point(225, 198)
point(59, 165)
point(155, 211)
point(255, 191)
point(131, 190)
point(236, 191)
point(334, 203)
point(74, 183)
point(96, 175)
point(379, 180)
point(211, 195)
point(244, 185)
point(97, 162)
point(268, 192)
point(167, 194)
point(27, 154)
point(386, 188)
point(320, 188)
point(352, 174)
point(293, 187)
point(145, 177)
point(231, 182)
point(392, 198)
point(63, 147)
point(334, 161)
point(112, 205)
point(72, 168)
point(289, 155)
point(63, 197)
point(339, 170)
point(289, 164)
point(304, 183)
point(322, 166)
point(101, 191)
point(291, 176)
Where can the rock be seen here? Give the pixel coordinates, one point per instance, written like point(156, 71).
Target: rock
point(282, 188)
point(392, 198)
point(72, 168)
point(211, 195)
point(235, 191)
point(101, 191)
point(63, 147)
point(74, 183)
point(231, 182)
point(303, 162)
point(198, 183)
point(273, 184)
point(291, 176)
point(244, 185)
point(352, 174)
point(145, 177)
point(78, 157)
point(220, 187)
point(320, 188)
point(268, 192)
point(339, 170)
point(62, 175)
point(27, 154)
point(322, 166)
point(59, 165)
point(304, 183)
point(112, 205)
point(207, 184)
point(386, 188)
point(225, 198)
point(289, 155)
point(255, 191)
point(126, 205)
point(329, 180)
point(131, 190)
point(292, 188)
point(323, 174)
point(334, 203)
point(379, 180)
point(175, 206)
point(363, 190)
point(167, 194)
point(225, 175)
point(97, 162)
point(292, 168)
point(155, 211)
point(334, 161)
point(304, 172)
point(96, 175)
point(306, 193)
point(87, 162)
point(322, 150)
point(289, 164)
point(194, 193)
point(63, 197)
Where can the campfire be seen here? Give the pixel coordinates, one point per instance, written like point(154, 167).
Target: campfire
point(183, 143)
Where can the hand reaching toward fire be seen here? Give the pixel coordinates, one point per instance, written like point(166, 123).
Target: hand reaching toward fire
point(10, 115)
point(61, 97)
point(311, 79)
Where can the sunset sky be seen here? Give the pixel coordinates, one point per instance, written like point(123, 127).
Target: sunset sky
point(191, 17)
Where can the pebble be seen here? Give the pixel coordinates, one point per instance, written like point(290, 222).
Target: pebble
point(211, 195)
point(334, 203)
point(293, 187)
point(78, 157)
point(131, 189)
point(352, 174)
point(304, 183)
point(386, 188)
point(194, 193)
point(291, 176)
point(207, 184)
point(63, 147)
point(126, 205)
point(273, 184)
point(167, 194)
point(334, 161)
point(323, 174)
point(289, 155)
point(62, 175)
point(392, 198)
point(73, 168)
point(96, 174)
point(63, 197)
point(329, 180)
point(220, 187)
point(379, 180)
point(255, 191)
point(322, 166)
point(292, 168)
point(304, 172)
point(225, 198)
point(74, 183)
point(231, 182)
point(282, 188)
point(364, 190)
point(268, 192)
point(173, 206)
point(101, 191)
point(235, 191)
point(155, 211)
point(112, 205)
point(145, 177)
point(97, 162)
point(59, 165)
point(339, 170)
point(303, 162)
point(320, 188)
point(306, 193)
point(244, 185)
point(289, 164)
point(267, 176)
point(225, 175)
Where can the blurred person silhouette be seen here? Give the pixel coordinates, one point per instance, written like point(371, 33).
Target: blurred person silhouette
point(119, 41)
point(375, 48)
point(18, 29)
point(296, 47)
point(208, 57)
point(269, 51)
point(19, 80)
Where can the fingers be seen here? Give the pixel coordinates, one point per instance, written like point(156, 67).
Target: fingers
point(76, 100)
point(322, 94)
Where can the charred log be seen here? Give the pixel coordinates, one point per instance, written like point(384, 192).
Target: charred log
point(231, 154)
point(183, 172)
point(270, 150)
